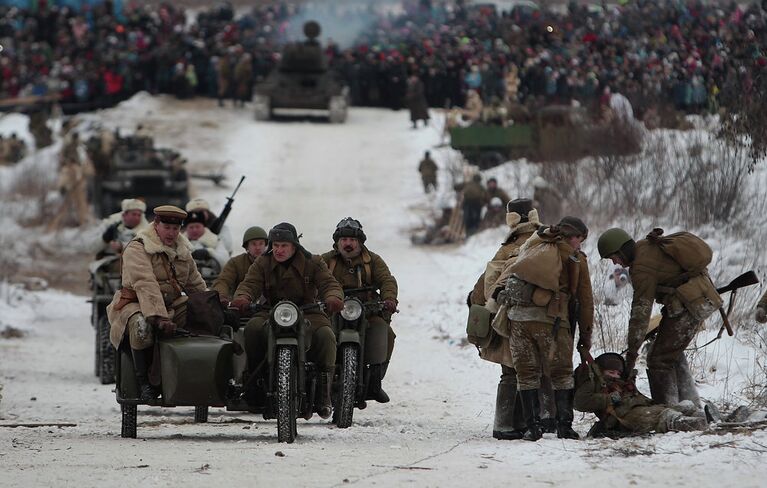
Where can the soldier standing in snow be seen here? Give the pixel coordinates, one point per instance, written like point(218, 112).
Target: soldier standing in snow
point(549, 275)
point(688, 297)
point(428, 169)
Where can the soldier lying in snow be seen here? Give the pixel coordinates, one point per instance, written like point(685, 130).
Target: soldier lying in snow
point(602, 389)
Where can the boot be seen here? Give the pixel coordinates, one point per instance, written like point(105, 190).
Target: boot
point(685, 383)
point(507, 406)
point(323, 402)
point(141, 360)
point(564, 401)
point(663, 387)
point(375, 392)
point(531, 408)
point(688, 424)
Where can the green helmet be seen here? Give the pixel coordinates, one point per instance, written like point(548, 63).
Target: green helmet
point(253, 233)
point(611, 241)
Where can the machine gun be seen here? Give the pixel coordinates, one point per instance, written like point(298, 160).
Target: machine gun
point(218, 224)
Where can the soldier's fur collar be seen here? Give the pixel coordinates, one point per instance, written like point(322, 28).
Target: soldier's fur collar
point(208, 239)
point(153, 244)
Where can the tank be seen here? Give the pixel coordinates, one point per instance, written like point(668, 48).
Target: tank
point(134, 168)
point(302, 80)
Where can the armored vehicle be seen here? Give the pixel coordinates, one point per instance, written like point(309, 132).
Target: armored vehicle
point(136, 169)
point(555, 133)
point(302, 80)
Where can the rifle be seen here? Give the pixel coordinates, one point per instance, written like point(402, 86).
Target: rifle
point(746, 279)
point(216, 178)
point(218, 224)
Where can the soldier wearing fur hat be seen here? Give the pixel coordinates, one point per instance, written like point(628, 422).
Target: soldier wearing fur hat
point(157, 269)
point(522, 220)
point(549, 275)
point(124, 226)
point(205, 244)
point(605, 389)
point(355, 266)
point(428, 169)
point(289, 272)
point(202, 205)
point(254, 242)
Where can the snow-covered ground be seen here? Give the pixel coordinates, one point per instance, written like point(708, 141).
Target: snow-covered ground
point(437, 429)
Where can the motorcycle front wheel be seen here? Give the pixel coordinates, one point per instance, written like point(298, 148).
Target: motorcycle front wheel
point(287, 379)
point(348, 385)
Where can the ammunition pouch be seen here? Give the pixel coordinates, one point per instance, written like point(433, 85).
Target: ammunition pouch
point(696, 296)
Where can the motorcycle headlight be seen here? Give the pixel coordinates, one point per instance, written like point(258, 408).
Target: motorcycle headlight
point(285, 315)
point(352, 310)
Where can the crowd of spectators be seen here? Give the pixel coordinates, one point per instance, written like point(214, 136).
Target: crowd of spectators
point(690, 55)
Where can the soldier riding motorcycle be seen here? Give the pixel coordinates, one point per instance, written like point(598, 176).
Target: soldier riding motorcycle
point(363, 330)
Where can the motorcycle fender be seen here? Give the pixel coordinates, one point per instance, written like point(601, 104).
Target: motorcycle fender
point(348, 335)
point(286, 341)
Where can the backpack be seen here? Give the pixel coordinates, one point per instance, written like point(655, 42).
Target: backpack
point(688, 250)
point(693, 291)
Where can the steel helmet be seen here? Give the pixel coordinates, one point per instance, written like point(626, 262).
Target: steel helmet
point(611, 241)
point(253, 233)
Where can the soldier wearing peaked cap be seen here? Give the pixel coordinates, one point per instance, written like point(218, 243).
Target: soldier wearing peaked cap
point(157, 269)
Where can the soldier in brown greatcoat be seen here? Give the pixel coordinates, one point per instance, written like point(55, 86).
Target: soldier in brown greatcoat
point(355, 266)
point(157, 268)
point(288, 272)
point(254, 241)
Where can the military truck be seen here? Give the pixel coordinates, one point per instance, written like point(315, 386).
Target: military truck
point(554, 133)
point(302, 80)
point(134, 168)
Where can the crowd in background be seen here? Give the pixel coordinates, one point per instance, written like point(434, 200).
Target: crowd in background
point(687, 54)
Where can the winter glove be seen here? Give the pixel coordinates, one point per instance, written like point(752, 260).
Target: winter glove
point(492, 305)
point(241, 303)
point(333, 304)
point(390, 305)
point(225, 300)
point(200, 254)
point(615, 398)
point(761, 315)
point(167, 326)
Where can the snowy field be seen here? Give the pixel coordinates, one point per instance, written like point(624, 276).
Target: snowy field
point(437, 429)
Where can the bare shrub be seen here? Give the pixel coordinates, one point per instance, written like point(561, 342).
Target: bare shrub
point(693, 182)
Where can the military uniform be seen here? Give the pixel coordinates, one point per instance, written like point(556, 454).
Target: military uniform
point(428, 169)
point(474, 198)
point(509, 422)
point(667, 368)
point(620, 407)
point(232, 275)
point(541, 337)
point(302, 279)
point(154, 278)
point(379, 339)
